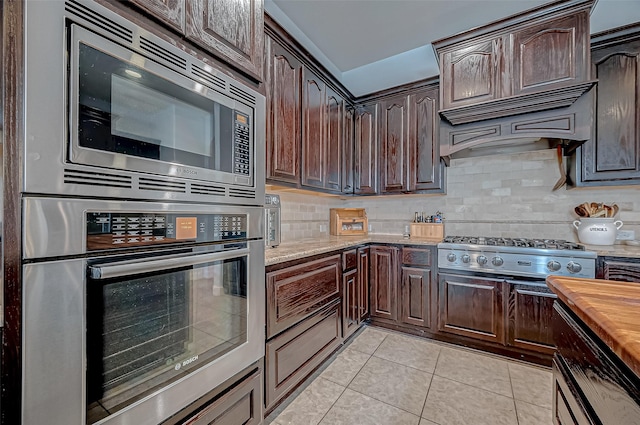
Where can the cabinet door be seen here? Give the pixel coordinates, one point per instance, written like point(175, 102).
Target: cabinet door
point(551, 54)
point(351, 297)
point(170, 12)
point(393, 145)
point(472, 74)
point(313, 130)
point(334, 141)
point(415, 307)
point(612, 156)
point(471, 307)
point(231, 29)
point(363, 283)
point(283, 77)
point(384, 280)
point(622, 269)
point(348, 150)
point(366, 158)
point(530, 310)
point(426, 172)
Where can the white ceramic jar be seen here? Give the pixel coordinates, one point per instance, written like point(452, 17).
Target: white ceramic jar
point(597, 231)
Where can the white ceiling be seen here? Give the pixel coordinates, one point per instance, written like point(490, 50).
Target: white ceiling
point(371, 45)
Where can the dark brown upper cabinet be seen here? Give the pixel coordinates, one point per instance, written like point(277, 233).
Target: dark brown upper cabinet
point(426, 169)
point(283, 80)
point(612, 155)
point(313, 130)
point(366, 148)
point(334, 140)
point(232, 30)
point(529, 62)
point(348, 149)
point(170, 12)
point(393, 145)
point(409, 143)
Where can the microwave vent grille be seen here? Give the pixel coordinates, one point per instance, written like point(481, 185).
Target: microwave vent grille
point(163, 185)
point(83, 12)
point(162, 54)
point(96, 179)
point(242, 193)
point(208, 77)
point(239, 93)
point(202, 189)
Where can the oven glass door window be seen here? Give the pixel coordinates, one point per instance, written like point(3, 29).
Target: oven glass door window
point(146, 331)
point(127, 110)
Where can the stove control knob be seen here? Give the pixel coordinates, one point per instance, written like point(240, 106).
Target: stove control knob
point(451, 257)
point(574, 267)
point(554, 266)
point(465, 258)
point(482, 260)
point(497, 261)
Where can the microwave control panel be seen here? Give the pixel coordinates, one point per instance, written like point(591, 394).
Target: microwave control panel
point(241, 156)
point(127, 230)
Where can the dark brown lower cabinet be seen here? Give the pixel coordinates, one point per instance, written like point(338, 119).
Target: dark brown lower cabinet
point(350, 295)
point(529, 314)
point(592, 385)
point(363, 283)
point(617, 268)
point(415, 298)
point(383, 280)
point(295, 353)
point(242, 405)
point(471, 307)
point(355, 289)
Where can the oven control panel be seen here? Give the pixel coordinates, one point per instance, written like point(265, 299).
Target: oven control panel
point(106, 230)
point(242, 148)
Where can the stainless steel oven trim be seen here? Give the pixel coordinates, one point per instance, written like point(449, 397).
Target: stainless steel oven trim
point(111, 160)
point(53, 228)
point(130, 268)
point(53, 342)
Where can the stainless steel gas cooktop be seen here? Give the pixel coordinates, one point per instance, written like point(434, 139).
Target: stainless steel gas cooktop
point(516, 256)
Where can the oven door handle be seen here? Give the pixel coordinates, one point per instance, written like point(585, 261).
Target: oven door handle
point(128, 268)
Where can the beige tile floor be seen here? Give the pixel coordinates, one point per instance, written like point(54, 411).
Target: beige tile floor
point(387, 378)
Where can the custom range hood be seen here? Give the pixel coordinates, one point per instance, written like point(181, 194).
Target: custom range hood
point(521, 83)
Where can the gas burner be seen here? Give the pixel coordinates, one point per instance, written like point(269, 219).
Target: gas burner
point(516, 242)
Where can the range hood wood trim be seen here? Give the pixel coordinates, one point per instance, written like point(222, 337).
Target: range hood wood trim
point(515, 105)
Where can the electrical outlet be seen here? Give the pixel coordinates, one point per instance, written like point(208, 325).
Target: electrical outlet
point(323, 228)
point(626, 235)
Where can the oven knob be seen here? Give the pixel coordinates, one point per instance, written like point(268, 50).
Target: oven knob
point(451, 257)
point(574, 267)
point(497, 261)
point(465, 258)
point(482, 260)
point(554, 266)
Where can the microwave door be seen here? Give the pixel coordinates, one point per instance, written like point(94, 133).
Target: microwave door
point(130, 113)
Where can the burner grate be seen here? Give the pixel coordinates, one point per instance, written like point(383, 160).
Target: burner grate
point(516, 242)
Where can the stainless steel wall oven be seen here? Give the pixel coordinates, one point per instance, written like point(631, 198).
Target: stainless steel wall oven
point(112, 108)
point(133, 310)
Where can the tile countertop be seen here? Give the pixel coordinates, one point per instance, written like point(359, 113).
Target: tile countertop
point(293, 250)
point(609, 308)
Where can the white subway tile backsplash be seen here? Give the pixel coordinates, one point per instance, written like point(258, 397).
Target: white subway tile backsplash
point(504, 195)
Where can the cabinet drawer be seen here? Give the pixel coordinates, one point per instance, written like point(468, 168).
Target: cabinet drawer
point(416, 256)
point(241, 405)
point(291, 356)
point(297, 292)
point(349, 260)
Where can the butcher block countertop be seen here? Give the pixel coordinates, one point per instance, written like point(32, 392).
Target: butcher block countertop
point(293, 250)
point(610, 308)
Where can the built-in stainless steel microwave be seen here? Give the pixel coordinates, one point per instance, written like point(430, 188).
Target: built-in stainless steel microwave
point(114, 110)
